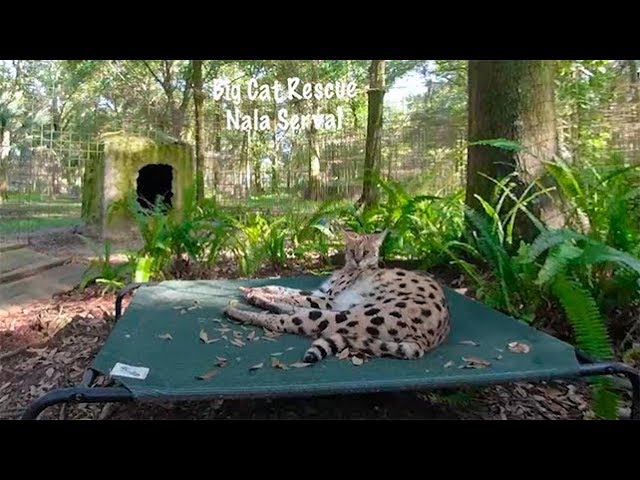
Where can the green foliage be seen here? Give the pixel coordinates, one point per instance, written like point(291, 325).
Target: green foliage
point(101, 270)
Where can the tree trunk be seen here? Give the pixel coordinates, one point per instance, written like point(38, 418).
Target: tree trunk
point(513, 100)
point(634, 81)
point(5, 148)
point(373, 148)
point(198, 103)
point(313, 186)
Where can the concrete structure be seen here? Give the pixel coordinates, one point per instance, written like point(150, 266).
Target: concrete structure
point(130, 168)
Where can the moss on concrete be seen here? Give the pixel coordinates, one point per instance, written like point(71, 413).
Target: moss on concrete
point(110, 178)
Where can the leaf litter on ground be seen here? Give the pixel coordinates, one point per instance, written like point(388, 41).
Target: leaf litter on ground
point(256, 367)
point(165, 336)
point(469, 342)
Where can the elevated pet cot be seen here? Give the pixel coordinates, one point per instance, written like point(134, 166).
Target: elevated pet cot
point(157, 352)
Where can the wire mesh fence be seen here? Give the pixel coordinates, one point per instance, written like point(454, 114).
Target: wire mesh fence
point(43, 167)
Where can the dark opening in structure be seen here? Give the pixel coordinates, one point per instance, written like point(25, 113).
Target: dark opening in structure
point(155, 181)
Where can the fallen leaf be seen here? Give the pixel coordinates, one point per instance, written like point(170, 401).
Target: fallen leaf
point(448, 364)
point(251, 335)
point(5, 386)
point(256, 367)
point(357, 360)
point(203, 336)
point(475, 362)
point(499, 357)
point(223, 330)
point(469, 342)
point(217, 320)
point(343, 354)
point(518, 347)
point(4, 398)
point(165, 336)
point(277, 354)
point(276, 363)
point(299, 365)
point(237, 343)
point(222, 362)
point(49, 373)
point(182, 312)
point(269, 338)
point(289, 349)
point(208, 375)
point(238, 334)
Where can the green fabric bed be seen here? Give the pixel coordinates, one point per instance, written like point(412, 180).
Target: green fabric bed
point(161, 331)
point(175, 363)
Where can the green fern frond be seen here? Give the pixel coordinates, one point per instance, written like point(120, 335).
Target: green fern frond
point(557, 261)
point(551, 238)
point(596, 252)
point(584, 316)
point(605, 400)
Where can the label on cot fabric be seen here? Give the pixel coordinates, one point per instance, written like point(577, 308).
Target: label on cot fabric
point(123, 370)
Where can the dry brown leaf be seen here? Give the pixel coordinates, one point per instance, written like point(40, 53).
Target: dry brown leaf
point(251, 335)
point(343, 354)
point(208, 375)
point(203, 336)
point(5, 386)
point(469, 342)
point(165, 336)
point(4, 398)
point(277, 354)
point(256, 367)
point(223, 329)
point(299, 364)
point(448, 364)
point(288, 349)
point(357, 361)
point(519, 347)
point(50, 371)
point(237, 343)
point(269, 338)
point(499, 357)
point(217, 320)
point(276, 363)
point(475, 362)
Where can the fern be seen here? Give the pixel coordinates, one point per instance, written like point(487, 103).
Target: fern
point(584, 316)
point(551, 238)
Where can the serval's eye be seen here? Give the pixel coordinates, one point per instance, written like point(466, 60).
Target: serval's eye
point(365, 253)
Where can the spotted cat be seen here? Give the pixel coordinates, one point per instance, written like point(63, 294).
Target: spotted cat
point(381, 312)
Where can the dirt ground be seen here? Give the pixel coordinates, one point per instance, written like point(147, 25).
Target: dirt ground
point(49, 344)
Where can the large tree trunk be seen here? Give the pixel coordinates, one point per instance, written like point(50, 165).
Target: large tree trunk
point(198, 102)
point(513, 100)
point(373, 148)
